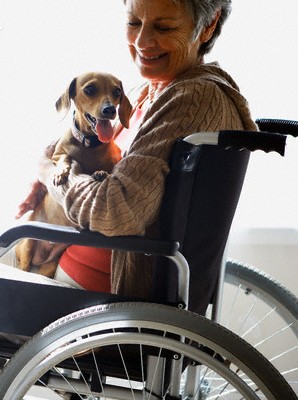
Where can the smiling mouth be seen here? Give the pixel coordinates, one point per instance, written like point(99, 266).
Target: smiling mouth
point(152, 58)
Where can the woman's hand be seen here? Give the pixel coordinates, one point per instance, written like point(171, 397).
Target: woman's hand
point(34, 197)
point(38, 189)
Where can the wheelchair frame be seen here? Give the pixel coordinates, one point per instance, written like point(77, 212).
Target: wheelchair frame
point(172, 322)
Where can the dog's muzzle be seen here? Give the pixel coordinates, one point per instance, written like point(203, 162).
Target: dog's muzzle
point(108, 111)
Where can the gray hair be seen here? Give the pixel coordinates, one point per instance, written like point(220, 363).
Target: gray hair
point(203, 13)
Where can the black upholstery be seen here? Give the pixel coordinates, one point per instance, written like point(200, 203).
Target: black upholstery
point(202, 192)
point(26, 308)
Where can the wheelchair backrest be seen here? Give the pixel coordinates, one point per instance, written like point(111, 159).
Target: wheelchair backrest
point(201, 195)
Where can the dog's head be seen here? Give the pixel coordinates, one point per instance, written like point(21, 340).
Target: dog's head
point(97, 97)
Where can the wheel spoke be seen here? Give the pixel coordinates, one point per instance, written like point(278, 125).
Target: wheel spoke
point(270, 321)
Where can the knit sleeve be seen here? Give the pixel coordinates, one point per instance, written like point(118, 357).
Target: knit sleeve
point(125, 203)
point(128, 200)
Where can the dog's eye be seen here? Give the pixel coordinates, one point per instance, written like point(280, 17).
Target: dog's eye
point(90, 90)
point(117, 92)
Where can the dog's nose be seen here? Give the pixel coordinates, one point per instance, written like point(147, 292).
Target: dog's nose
point(108, 111)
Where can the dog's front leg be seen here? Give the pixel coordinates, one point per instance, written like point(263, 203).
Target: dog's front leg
point(63, 168)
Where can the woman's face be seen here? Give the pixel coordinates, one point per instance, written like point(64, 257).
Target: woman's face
point(160, 36)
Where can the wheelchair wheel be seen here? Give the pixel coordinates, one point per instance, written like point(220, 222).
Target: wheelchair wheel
point(139, 351)
point(265, 314)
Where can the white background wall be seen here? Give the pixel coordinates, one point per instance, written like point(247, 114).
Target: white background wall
point(44, 44)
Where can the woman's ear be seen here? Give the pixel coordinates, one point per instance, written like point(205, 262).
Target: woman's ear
point(208, 31)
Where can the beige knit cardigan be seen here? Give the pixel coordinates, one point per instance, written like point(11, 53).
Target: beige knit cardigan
point(128, 201)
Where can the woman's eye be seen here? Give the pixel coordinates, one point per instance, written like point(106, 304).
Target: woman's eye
point(158, 27)
point(162, 28)
point(90, 90)
point(133, 23)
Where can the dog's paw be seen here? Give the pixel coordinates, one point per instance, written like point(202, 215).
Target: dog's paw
point(24, 267)
point(99, 175)
point(60, 179)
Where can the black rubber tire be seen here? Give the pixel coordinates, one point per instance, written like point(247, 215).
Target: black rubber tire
point(133, 316)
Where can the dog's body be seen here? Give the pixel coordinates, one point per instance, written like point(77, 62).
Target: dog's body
point(90, 143)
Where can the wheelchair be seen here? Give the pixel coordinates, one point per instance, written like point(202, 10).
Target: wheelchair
point(85, 345)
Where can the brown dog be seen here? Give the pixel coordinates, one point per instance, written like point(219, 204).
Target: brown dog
point(90, 142)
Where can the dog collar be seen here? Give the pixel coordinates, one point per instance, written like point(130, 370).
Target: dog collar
point(85, 140)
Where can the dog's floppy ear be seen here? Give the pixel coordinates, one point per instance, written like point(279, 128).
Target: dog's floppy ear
point(124, 109)
point(64, 101)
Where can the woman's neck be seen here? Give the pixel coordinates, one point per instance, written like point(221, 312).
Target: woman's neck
point(155, 88)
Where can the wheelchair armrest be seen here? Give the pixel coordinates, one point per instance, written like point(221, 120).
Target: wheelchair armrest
point(70, 235)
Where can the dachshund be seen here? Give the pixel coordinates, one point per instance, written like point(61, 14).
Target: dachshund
point(89, 141)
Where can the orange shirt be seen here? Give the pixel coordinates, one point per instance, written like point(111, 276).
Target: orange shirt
point(90, 266)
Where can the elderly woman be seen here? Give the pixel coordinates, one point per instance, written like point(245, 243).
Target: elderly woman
point(167, 40)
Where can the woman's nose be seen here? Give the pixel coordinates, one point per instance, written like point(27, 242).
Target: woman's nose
point(145, 38)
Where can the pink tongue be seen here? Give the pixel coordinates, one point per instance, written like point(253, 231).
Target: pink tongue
point(104, 130)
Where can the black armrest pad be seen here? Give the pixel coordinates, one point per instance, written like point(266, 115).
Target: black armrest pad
point(70, 235)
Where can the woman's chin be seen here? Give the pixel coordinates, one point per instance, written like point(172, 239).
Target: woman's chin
point(154, 70)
